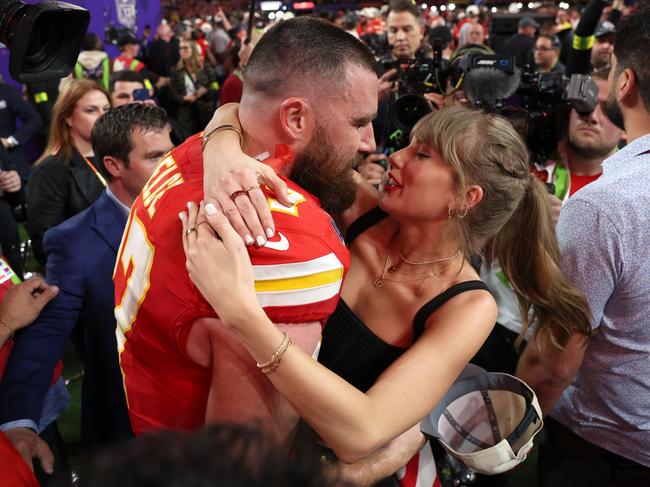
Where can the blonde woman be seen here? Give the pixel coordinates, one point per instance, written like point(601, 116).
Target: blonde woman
point(413, 311)
point(192, 88)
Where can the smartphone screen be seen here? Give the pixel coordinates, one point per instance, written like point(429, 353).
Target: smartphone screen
point(141, 94)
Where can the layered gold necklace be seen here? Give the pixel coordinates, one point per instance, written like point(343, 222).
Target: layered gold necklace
point(391, 269)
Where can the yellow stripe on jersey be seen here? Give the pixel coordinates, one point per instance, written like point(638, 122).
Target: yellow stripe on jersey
point(299, 283)
point(292, 283)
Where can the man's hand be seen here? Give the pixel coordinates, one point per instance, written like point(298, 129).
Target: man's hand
point(436, 101)
point(30, 446)
point(10, 181)
point(22, 303)
point(372, 171)
point(556, 206)
point(387, 84)
point(385, 461)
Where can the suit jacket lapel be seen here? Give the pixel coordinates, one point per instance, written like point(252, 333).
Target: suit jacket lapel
point(109, 221)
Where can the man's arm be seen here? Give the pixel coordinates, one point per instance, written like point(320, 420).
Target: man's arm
point(549, 370)
point(29, 117)
point(239, 392)
point(385, 461)
point(38, 348)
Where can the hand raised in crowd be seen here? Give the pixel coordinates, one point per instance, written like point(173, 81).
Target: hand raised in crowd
point(436, 100)
point(22, 303)
point(387, 84)
point(372, 171)
point(30, 446)
point(227, 171)
point(10, 181)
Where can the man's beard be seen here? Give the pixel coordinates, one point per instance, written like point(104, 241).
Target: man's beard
point(325, 174)
point(590, 151)
point(613, 111)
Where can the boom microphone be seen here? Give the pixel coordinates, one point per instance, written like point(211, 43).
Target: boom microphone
point(579, 60)
point(490, 86)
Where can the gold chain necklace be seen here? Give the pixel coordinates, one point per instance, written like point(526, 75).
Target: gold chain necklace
point(432, 261)
point(379, 280)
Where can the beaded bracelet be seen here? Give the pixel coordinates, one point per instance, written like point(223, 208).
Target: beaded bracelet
point(274, 360)
point(221, 128)
point(11, 330)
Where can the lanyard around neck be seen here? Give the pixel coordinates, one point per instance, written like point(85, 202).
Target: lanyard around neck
point(94, 169)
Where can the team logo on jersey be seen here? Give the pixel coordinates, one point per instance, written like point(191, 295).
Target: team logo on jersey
point(282, 244)
point(295, 198)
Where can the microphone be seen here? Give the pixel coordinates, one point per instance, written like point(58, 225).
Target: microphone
point(579, 60)
point(490, 86)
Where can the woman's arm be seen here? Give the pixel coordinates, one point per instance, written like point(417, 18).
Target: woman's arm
point(226, 169)
point(352, 423)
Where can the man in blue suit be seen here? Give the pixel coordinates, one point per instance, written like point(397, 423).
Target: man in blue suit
point(130, 141)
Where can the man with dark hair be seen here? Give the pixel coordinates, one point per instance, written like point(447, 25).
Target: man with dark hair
point(601, 52)
point(122, 84)
point(231, 455)
point(598, 432)
point(546, 54)
point(310, 93)
point(130, 141)
point(404, 29)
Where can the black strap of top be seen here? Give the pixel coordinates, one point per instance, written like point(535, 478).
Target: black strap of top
point(363, 223)
point(429, 308)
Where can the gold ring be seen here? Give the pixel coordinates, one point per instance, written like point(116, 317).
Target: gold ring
point(190, 230)
point(252, 188)
point(239, 192)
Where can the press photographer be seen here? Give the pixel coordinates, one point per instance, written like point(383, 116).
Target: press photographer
point(407, 69)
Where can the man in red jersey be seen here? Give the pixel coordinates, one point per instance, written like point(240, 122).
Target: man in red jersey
point(310, 93)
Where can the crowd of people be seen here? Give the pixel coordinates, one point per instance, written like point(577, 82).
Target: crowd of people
point(256, 258)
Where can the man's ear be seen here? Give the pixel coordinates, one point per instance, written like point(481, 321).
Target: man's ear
point(114, 166)
point(626, 87)
point(297, 119)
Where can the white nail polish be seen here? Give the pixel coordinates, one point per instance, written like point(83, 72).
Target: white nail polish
point(269, 233)
point(261, 241)
point(189, 205)
point(210, 209)
point(181, 216)
point(249, 240)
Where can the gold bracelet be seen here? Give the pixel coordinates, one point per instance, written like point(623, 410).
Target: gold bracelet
point(221, 128)
point(11, 330)
point(276, 363)
point(275, 354)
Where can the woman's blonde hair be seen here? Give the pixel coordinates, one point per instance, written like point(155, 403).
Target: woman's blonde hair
point(513, 220)
point(60, 140)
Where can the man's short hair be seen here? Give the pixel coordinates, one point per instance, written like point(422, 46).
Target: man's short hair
point(304, 50)
point(124, 75)
point(631, 50)
point(399, 6)
point(555, 40)
point(112, 133)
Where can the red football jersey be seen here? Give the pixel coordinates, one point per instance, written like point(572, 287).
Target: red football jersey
point(298, 279)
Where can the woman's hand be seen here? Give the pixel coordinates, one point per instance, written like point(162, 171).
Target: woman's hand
point(218, 263)
point(226, 169)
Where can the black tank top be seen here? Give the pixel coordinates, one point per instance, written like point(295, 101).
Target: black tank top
point(350, 349)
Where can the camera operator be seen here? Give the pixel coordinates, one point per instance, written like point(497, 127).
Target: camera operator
point(405, 31)
point(590, 140)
